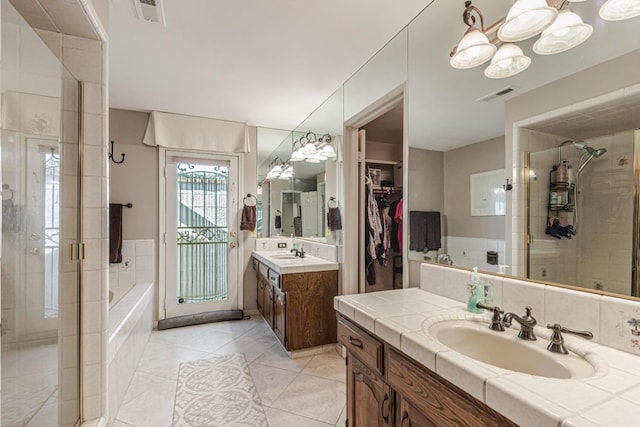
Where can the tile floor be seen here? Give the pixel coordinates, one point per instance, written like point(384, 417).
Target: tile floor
point(304, 392)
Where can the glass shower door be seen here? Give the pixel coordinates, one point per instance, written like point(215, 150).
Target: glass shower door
point(39, 281)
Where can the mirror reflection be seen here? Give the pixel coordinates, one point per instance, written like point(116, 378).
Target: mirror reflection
point(299, 178)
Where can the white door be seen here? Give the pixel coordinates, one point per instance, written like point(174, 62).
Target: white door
point(201, 229)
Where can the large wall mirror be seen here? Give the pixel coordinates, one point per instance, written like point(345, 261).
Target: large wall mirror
point(297, 187)
point(463, 121)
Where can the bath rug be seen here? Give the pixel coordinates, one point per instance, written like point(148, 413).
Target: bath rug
point(218, 391)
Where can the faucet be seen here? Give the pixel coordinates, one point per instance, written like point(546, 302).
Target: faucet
point(556, 344)
point(527, 323)
point(496, 319)
point(299, 253)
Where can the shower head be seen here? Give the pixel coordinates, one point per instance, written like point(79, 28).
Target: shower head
point(588, 156)
point(599, 152)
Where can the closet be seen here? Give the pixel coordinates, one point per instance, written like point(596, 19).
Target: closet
point(381, 151)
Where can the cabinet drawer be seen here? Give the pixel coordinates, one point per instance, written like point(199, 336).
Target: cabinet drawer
point(435, 398)
point(365, 347)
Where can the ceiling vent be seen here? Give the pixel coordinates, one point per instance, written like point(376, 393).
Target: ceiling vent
point(149, 10)
point(502, 92)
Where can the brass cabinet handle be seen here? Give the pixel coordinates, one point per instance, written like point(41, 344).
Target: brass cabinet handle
point(356, 342)
point(382, 407)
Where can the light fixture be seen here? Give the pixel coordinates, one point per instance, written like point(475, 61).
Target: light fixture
point(568, 31)
point(508, 61)
point(279, 170)
point(561, 30)
point(474, 48)
point(617, 10)
point(312, 149)
point(525, 19)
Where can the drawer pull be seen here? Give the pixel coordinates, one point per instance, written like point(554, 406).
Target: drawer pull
point(385, 400)
point(355, 342)
point(405, 416)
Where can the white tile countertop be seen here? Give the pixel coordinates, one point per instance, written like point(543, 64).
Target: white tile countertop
point(284, 263)
point(611, 397)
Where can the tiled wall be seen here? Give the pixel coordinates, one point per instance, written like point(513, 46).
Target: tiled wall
point(317, 249)
point(599, 253)
point(137, 266)
point(471, 252)
point(611, 320)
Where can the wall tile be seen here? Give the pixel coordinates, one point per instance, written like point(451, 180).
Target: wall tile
point(432, 278)
point(518, 294)
point(621, 321)
point(455, 284)
point(573, 309)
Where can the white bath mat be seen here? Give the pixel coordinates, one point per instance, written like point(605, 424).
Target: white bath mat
point(218, 391)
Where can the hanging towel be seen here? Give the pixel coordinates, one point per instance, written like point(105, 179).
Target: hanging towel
point(424, 231)
point(297, 226)
point(334, 219)
point(248, 220)
point(115, 233)
point(433, 239)
point(278, 222)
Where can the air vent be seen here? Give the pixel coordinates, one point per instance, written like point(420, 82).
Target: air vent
point(149, 10)
point(497, 94)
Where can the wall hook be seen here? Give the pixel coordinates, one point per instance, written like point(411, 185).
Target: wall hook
point(110, 155)
point(507, 187)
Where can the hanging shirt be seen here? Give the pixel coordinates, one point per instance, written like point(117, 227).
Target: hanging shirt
point(398, 219)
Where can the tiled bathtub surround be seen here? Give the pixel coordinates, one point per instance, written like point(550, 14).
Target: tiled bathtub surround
point(402, 318)
point(467, 252)
point(136, 267)
point(130, 325)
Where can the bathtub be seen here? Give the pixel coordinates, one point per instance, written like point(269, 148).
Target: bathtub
point(130, 325)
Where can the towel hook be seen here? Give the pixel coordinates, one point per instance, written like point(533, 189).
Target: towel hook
point(250, 200)
point(110, 155)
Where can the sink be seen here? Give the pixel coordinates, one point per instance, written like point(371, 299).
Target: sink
point(505, 350)
point(283, 256)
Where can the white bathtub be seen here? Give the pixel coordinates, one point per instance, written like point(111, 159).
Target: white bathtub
point(130, 325)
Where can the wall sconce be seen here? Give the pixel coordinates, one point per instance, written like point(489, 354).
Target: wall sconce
point(279, 170)
point(312, 149)
point(561, 30)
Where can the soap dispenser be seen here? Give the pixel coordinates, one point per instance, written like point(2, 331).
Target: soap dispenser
point(476, 292)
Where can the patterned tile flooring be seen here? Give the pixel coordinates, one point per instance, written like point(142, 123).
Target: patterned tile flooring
point(303, 392)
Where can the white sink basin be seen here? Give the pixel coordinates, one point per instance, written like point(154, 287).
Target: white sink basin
point(283, 256)
point(505, 350)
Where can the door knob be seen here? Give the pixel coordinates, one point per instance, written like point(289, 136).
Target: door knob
point(34, 251)
point(232, 245)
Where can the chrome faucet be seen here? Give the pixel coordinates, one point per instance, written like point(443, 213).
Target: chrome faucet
point(299, 253)
point(556, 345)
point(496, 319)
point(527, 323)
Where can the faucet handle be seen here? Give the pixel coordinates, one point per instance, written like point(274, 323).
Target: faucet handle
point(556, 344)
point(496, 319)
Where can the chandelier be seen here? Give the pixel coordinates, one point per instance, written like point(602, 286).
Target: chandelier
point(560, 29)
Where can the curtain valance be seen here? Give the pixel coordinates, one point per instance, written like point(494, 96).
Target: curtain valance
point(196, 133)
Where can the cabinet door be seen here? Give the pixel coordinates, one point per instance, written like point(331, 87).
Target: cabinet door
point(408, 415)
point(267, 305)
point(280, 315)
point(260, 295)
point(369, 400)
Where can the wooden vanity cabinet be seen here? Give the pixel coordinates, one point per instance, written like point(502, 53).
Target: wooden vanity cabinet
point(299, 309)
point(387, 388)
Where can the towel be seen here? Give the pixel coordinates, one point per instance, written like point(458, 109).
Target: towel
point(334, 219)
point(297, 226)
point(115, 233)
point(278, 222)
point(424, 231)
point(248, 220)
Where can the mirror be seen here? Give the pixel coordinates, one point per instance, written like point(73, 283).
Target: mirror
point(458, 118)
point(297, 204)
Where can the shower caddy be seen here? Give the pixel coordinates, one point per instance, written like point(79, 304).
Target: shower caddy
point(561, 202)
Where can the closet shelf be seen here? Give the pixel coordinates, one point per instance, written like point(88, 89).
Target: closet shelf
point(383, 162)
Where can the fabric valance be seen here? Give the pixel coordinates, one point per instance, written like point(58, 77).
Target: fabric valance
point(196, 133)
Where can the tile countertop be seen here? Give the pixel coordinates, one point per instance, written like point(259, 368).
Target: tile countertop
point(611, 397)
point(281, 262)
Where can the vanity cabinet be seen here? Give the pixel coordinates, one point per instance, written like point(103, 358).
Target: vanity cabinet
point(299, 306)
point(387, 388)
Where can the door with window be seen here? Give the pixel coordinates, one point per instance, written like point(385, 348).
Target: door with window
point(200, 236)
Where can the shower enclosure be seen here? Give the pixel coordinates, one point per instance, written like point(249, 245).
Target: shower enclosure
point(581, 214)
point(40, 276)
